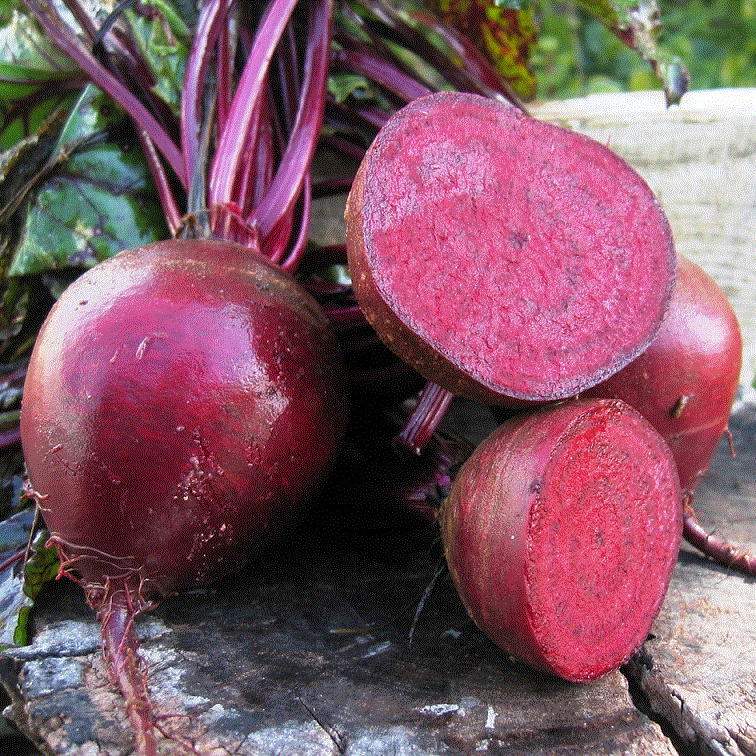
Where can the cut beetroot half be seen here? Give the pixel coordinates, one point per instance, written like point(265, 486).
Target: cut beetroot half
point(506, 259)
point(561, 532)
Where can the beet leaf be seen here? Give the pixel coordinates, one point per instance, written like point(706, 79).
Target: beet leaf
point(98, 199)
point(638, 25)
point(35, 80)
point(504, 33)
point(22, 579)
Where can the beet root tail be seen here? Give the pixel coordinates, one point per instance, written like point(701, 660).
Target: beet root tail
point(127, 669)
point(719, 550)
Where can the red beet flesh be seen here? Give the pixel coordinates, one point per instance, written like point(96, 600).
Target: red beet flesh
point(506, 259)
point(684, 384)
point(183, 401)
point(561, 532)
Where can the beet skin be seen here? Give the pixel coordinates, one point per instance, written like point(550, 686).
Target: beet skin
point(684, 384)
point(183, 402)
point(506, 259)
point(561, 531)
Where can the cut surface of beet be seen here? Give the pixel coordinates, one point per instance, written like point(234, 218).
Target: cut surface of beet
point(502, 257)
point(561, 532)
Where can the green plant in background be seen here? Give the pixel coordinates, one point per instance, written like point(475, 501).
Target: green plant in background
point(576, 54)
point(553, 49)
point(546, 48)
point(717, 38)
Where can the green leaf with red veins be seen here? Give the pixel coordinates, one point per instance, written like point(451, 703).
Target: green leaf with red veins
point(164, 41)
point(35, 79)
point(96, 200)
point(504, 33)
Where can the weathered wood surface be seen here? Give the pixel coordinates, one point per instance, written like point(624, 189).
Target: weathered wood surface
point(307, 655)
point(699, 157)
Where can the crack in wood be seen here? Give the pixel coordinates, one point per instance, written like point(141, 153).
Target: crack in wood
point(338, 738)
point(673, 706)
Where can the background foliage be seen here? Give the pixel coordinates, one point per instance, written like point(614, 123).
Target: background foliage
point(575, 54)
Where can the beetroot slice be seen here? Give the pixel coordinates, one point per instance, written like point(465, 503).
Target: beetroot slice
point(561, 532)
point(506, 259)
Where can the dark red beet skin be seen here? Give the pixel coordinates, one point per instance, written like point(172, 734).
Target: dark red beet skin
point(508, 260)
point(183, 402)
point(561, 532)
point(684, 384)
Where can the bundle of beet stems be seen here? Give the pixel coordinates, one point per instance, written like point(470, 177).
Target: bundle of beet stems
point(215, 402)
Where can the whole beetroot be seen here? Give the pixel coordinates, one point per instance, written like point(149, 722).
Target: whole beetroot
point(561, 531)
point(183, 403)
point(684, 384)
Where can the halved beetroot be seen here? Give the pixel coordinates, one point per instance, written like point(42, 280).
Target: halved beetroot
point(508, 260)
point(561, 531)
